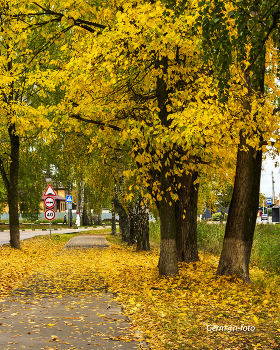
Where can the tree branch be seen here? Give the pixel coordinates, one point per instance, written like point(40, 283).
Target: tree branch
point(270, 29)
point(96, 122)
point(276, 110)
point(266, 143)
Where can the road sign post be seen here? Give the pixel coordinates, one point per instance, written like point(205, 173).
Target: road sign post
point(50, 215)
point(69, 200)
point(49, 203)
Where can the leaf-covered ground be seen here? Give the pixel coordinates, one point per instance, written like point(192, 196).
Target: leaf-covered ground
point(186, 312)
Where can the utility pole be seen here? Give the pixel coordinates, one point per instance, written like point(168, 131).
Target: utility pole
point(273, 194)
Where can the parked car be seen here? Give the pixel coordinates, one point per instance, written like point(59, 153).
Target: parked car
point(264, 217)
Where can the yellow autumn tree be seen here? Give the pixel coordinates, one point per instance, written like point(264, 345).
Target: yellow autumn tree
point(143, 82)
point(21, 116)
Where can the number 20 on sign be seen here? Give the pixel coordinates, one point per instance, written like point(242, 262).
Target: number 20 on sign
point(49, 214)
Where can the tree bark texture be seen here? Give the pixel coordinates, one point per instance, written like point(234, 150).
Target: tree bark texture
point(142, 225)
point(123, 220)
point(222, 215)
point(12, 189)
point(132, 212)
point(82, 201)
point(168, 259)
point(99, 219)
point(242, 214)
point(114, 228)
point(241, 222)
point(186, 216)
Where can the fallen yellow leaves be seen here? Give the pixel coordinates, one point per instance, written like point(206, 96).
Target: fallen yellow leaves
point(15, 265)
point(194, 310)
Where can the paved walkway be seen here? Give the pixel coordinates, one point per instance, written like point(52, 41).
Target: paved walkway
point(5, 235)
point(77, 322)
point(87, 242)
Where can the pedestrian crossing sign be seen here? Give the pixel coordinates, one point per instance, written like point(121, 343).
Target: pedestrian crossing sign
point(69, 199)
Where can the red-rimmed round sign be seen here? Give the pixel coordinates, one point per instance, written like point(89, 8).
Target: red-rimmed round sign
point(49, 214)
point(49, 202)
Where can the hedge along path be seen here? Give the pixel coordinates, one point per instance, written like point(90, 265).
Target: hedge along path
point(185, 312)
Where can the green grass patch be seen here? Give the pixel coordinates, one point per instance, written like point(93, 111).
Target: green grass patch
point(266, 248)
point(210, 237)
point(154, 233)
point(266, 245)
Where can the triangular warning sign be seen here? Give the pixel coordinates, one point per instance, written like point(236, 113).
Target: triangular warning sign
point(50, 191)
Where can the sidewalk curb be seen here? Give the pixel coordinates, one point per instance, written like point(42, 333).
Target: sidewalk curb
point(143, 344)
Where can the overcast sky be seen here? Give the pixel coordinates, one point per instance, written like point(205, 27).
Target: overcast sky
point(266, 180)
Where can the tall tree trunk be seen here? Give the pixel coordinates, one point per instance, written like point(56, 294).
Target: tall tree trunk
point(12, 189)
point(168, 258)
point(168, 261)
point(222, 215)
point(82, 201)
point(243, 211)
point(186, 215)
point(123, 220)
point(114, 228)
point(133, 223)
point(242, 214)
point(142, 223)
point(99, 218)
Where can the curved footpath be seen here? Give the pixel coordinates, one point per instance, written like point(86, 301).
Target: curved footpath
point(77, 322)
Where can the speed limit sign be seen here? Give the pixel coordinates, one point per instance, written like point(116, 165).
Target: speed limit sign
point(49, 214)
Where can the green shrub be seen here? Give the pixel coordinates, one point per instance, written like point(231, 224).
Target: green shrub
point(216, 216)
point(42, 221)
point(57, 221)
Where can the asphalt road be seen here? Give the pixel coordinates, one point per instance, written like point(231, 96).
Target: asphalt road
point(5, 235)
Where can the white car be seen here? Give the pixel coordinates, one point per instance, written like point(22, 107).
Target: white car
point(264, 217)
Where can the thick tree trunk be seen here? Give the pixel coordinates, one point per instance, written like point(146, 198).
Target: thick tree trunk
point(168, 259)
point(123, 220)
point(13, 189)
point(186, 215)
point(114, 228)
point(242, 215)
